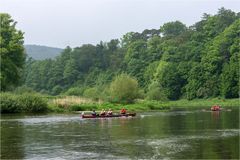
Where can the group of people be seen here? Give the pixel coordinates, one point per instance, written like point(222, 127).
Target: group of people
point(216, 108)
point(109, 112)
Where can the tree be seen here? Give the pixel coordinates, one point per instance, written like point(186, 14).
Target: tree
point(136, 59)
point(172, 29)
point(124, 88)
point(12, 53)
point(85, 57)
point(218, 53)
point(169, 79)
point(174, 62)
point(156, 92)
point(230, 78)
point(70, 72)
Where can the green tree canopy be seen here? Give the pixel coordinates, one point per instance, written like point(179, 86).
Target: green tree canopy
point(172, 62)
point(12, 52)
point(124, 88)
point(171, 29)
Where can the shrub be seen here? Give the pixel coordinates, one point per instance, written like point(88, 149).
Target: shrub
point(83, 107)
point(9, 103)
point(57, 90)
point(14, 103)
point(23, 89)
point(124, 89)
point(156, 92)
point(55, 108)
point(75, 91)
point(32, 103)
point(92, 93)
point(153, 105)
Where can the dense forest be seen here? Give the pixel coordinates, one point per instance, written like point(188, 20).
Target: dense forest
point(172, 62)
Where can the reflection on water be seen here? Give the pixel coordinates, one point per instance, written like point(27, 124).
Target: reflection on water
point(152, 135)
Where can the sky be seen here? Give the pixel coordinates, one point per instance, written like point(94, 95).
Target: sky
point(61, 23)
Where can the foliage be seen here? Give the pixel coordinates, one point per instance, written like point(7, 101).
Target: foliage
point(57, 90)
point(172, 29)
point(12, 53)
point(23, 89)
point(124, 89)
point(9, 103)
point(93, 93)
point(41, 52)
point(172, 62)
point(15, 103)
point(156, 92)
point(74, 91)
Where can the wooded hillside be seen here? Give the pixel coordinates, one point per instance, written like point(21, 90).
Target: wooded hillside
point(171, 62)
point(41, 52)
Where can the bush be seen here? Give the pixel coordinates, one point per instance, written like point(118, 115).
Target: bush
point(32, 103)
point(124, 89)
point(92, 93)
point(55, 108)
point(23, 89)
point(156, 92)
point(75, 91)
point(83, 107)
point(57, 90)
point(152, 105)
point(14, 103)
point(9, 103)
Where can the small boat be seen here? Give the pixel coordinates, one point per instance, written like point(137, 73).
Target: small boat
point(215, 108)
point(109, 116)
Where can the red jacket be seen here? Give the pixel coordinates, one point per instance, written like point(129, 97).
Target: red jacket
point(123, 111)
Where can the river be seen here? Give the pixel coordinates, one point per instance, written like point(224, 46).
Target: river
point(181, 134)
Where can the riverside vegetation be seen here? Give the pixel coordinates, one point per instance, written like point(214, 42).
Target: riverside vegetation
point(35, 103)
point(174, 65)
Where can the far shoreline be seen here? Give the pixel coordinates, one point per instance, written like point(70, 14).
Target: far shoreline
point(36, 103)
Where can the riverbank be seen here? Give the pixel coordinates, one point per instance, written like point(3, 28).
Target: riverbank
point(202, 103)
point(137, 106)
point(36, 103)
point(83, 104)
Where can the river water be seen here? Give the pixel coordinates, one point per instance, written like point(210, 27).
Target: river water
point(181, 134)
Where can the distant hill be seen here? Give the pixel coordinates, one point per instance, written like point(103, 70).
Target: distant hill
point(42, 52)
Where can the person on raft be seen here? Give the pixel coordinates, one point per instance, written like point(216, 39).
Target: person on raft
point(216, 108)
point(109, 112)
point(123, 111)
point(103, 112)
point(94, 113)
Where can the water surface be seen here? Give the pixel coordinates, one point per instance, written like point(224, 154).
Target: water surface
point(183, 134)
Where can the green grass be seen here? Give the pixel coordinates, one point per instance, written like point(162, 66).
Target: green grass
point(143, 105)
point(204, 103)
point(15, 103)
point(138, 106)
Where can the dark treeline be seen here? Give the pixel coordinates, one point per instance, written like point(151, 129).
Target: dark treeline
point(172, 62)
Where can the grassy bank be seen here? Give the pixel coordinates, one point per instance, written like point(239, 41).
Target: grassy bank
point(35, 103)
point(201, 103)
point(138, 106)
point(66, 104)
